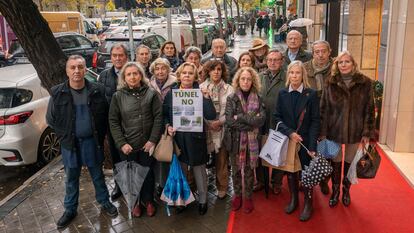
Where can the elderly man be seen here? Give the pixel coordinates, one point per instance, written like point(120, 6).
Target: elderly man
point(319, 70)
point(272, 81)
point(78, 113)
point(109, 78)
point(143, 56)
point(294, 51)
point(219, 48)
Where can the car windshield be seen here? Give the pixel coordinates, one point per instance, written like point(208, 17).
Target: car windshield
point(107, 44)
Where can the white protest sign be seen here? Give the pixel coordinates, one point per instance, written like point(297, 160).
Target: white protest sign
point(188, 110)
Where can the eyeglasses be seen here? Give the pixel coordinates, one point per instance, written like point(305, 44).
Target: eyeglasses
point(274, 59)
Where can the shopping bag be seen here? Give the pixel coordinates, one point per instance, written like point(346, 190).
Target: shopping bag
point(352, 172)
point(368, 165)
point(275, 149)
point(165, 147)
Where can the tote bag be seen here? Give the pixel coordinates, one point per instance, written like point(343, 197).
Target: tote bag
point(275, 149)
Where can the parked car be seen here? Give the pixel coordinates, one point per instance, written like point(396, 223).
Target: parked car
point(70, 42)
point(25, 137)
point(152, 40)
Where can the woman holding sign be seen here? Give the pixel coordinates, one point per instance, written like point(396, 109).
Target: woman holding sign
point(297, 111)
point(215, 76)
point(135, 120)
point(192, 143)
point(245, 114)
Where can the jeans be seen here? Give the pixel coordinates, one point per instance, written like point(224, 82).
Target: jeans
point(71, 201)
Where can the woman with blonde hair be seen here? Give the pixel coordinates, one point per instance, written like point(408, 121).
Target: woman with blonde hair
point(245, 115)
point(297, 116)
point(162, 79)
point(347, 117)
point(193, 145)
point(215, 73)
point(135, 120)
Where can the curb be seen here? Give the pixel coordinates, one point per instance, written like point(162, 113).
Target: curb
point(20, 194)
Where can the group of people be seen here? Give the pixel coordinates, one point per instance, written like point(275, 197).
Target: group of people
point(242, 99)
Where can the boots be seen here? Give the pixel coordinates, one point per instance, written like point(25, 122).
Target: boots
point(116, 192)
point(336, 183)
point(346, 185)
point(308, 209)
point(294, 195)
point(324, 186)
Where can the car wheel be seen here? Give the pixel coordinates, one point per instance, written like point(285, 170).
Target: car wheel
point(2, 64)
point(49, 147)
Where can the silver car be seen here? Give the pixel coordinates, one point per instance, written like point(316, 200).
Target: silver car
point(25, 137)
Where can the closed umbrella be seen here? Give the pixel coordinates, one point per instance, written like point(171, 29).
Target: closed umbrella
point(302, 22)
point(176, 190)
point(130, 177)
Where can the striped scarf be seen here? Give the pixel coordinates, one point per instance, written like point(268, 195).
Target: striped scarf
point(248, 140)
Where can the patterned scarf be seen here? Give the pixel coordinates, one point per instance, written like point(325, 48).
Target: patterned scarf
point(248, 140)
point(216, 92)
point(318, 73)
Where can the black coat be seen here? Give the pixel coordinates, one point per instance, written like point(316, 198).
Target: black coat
point(61, 113)
point(193, 145)
point(289, 116)
point(109, 79)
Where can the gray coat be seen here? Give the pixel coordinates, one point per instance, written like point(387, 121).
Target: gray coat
point(135, 117)
point(269, 93)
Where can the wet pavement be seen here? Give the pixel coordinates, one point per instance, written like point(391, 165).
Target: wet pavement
point(13, 177)
point(38, 206)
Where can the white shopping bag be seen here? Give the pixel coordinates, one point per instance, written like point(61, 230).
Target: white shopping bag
point(275, 149)
point(352, 172)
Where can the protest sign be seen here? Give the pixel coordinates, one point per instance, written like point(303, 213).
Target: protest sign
point(188, 110)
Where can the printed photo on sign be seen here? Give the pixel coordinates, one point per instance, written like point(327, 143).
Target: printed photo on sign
point(188, 110)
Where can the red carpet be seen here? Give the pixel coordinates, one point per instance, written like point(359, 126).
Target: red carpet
point(384, 204)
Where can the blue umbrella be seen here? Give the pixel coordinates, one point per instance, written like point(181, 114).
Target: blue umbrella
point(176, 191)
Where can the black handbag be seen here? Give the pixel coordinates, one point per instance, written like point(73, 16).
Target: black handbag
point(368, 165)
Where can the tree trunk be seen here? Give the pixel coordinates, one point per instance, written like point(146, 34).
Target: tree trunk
point(236, 2)
point(41, 5)
point(220, 20)
point(190, 11)
point(36, 39)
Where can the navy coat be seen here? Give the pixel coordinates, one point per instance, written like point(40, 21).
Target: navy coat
point(289, 116)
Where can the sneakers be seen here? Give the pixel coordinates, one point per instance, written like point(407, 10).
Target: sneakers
point(248, 205)
point(110, 209)
point(236, 203)
point(65, 219)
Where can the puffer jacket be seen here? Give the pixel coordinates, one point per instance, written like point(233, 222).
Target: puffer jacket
point(244, 122)
point(347, 114)
point(135, 117)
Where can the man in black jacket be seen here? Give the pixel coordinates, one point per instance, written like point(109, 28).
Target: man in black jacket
point(78, 113)
point(109, 78)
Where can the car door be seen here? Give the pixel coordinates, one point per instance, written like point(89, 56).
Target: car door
point(87, 48)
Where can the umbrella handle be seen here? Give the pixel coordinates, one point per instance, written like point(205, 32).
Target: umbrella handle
point(307, 150)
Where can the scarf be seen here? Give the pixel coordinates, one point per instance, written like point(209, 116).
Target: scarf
point(248, 140)
point(215, 138)
point(318, 73)
point(216, 92)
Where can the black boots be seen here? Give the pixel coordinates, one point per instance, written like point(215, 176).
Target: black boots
point(336, 183)
point(294, 195)
point(346, 185)
point(324, 186)
point(308, 208)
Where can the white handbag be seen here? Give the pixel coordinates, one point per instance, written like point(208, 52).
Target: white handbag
point(275, 149)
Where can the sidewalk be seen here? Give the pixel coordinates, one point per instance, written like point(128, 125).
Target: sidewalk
point(40, 211)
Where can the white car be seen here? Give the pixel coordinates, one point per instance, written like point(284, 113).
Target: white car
point(25, 138)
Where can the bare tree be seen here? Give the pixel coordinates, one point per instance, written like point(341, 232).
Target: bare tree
point(220, 20)
point(189, 8)
point(236, 2)
point(36, 39)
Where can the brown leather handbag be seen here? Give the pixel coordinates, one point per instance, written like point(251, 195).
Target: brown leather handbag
point(166, 147)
